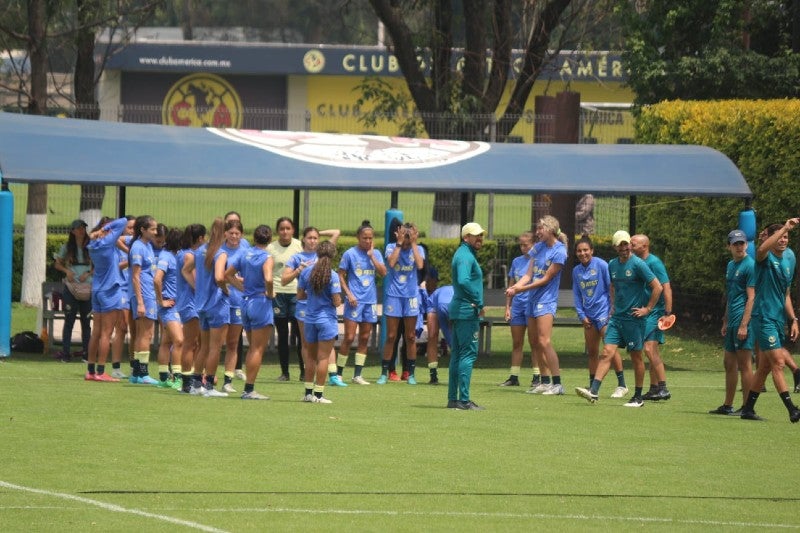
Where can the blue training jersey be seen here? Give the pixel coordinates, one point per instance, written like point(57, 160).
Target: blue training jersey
point(168, 263)
point(105, 257)
point(401, 280)
point(543, 256)
point(739, 275)
point(319, 307)
point(250, 263)
point(143, 256)
point(207, 295)
point(591, 288)
point(360, 274)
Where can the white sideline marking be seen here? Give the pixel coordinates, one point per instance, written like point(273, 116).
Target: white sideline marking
point(111, 507)
point(410, 513)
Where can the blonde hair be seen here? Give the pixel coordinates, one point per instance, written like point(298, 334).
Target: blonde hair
point(551, 224)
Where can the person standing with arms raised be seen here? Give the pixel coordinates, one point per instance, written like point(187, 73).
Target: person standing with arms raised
point(465, 310)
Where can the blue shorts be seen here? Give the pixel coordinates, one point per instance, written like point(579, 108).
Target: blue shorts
point(444, 327)
point(150, 309)
point(113, 299)
point(519, 315)
point(188, 313)
point(361, 312)
point(214, 318)
point(535, 310)
point(732, 342)
point(770, 334)
point(599, 323)
point(398, 307)
point(628, 334)
point(168, 314)
point(257, 312)
point(651, 331)
point(236, 316)
point(300, 311)
point(284, 305)
point(320, 332)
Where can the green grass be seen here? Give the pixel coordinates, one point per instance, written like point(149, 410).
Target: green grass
point(391, 458)
point(327, 209)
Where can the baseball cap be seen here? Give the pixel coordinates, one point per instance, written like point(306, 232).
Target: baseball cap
point(77, 223)
point(620, 237)
point(472, 228)
point(735, 236)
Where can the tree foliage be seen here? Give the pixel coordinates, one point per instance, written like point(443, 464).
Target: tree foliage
point(709, 49)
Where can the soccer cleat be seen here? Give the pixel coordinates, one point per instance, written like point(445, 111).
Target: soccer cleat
point(797, 388)
point(404, 375)
point(147, 380)
point(320, 399)
point(554, 390)
point(433, 381)
point(411, 379)
point(794, 416)
point(512, 381)
point(453, 404)
point(586, 394)
point(308, 398)
point(118, 374)
point(336, 381)
point(536, 380)
point(89, 377)
point(166, 384)
point(652, 395)
point(382, 380)
point(620, 392)
point(176, 383)
point(238, 374)
point(197, 391)
point(228, 388)
point(133, 380)
point(634, 402)
point(541, 388)
point(469, 406)
point(722, 410)
point(253, 395)
point(105, 378)
point(214, 393)
point(284, 377)
point(393, 376)
point(664, 394)
point(358, 380)
point(750, 415)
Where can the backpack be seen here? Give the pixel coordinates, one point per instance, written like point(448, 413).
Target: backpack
point(27, 341)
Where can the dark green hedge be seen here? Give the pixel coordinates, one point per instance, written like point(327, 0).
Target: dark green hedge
point(54, 243)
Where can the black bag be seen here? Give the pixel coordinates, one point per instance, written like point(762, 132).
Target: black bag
point(27, 341)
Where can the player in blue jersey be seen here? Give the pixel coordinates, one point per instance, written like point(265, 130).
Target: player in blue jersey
point(358, 270)
point(516, 309)
point(543, 277)
point(630, 277)
point(208, 269)
point(233, 245)
point(142, 261)
point(591, 288)
point(193, 237)
point(291, 272)
point(107, 285)
point(640, 244)
point(165, 281)
point(125, 324)
point(772, 306)
point(403, 258)
point(737, 331)
point(319, 286)
point(254, 268)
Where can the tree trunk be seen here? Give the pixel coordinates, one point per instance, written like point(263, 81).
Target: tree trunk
point(34, 260)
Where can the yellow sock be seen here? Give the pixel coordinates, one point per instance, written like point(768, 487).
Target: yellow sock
point(332, 368)
point(515, 371)
point(319, 388)
point(341, 360)
point(228, 374)
point(163, 368)
point(435, 364)
point(309, 385)
point(143, 356)
point(536, 371)
point(361, 358)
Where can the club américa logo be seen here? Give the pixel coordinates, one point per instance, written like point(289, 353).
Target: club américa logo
point(202, 100)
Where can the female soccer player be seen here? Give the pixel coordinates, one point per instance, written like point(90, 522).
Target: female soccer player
point(143, 264)
point(319, 287)
point(543, 277)
point(166, 288)
point(357, 273)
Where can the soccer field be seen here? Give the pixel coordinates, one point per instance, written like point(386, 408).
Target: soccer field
point(81, 456)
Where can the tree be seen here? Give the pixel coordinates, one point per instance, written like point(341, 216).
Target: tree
point(462, 104)
point(709, 49)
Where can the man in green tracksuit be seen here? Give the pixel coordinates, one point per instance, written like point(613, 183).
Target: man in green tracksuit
point(465, 309)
